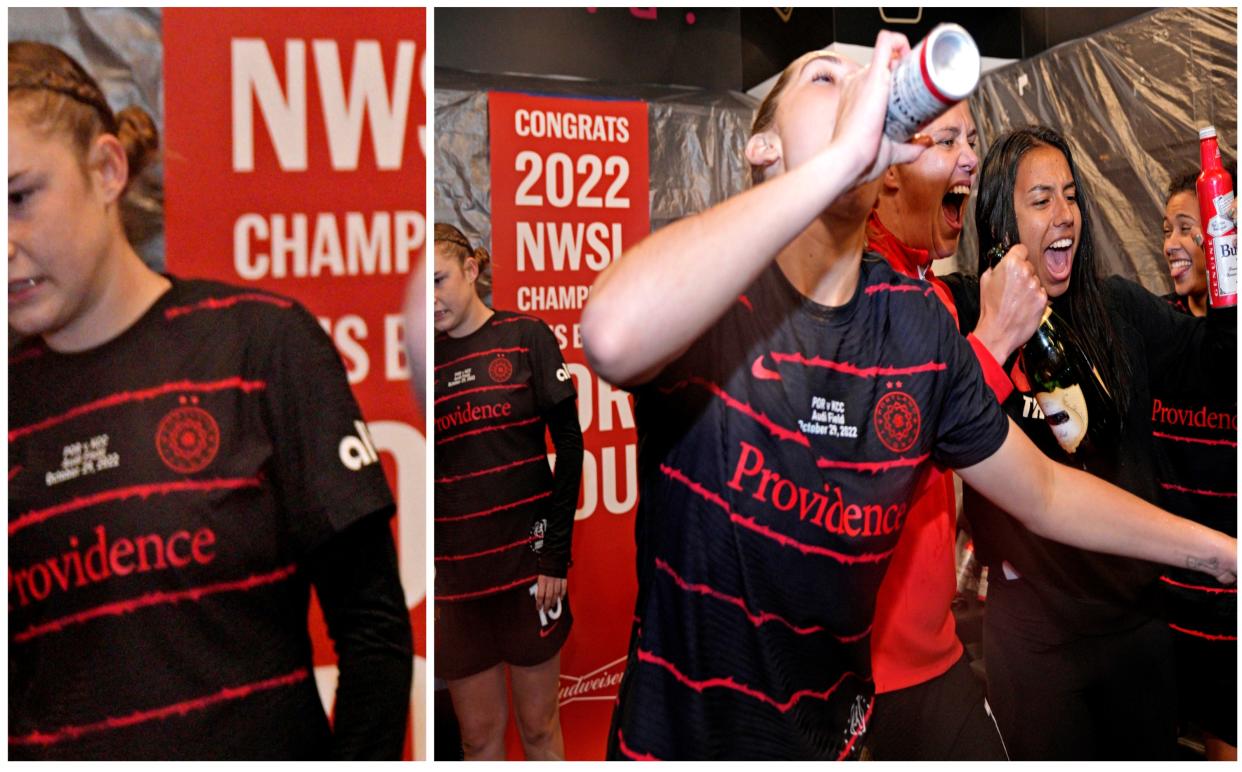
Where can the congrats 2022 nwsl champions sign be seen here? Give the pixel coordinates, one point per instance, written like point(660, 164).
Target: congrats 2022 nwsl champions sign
point(569, 193)
point(295, 162)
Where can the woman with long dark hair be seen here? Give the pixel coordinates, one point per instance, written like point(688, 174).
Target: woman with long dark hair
point(1078, 665)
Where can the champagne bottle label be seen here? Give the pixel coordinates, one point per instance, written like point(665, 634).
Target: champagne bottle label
point(1066, 412)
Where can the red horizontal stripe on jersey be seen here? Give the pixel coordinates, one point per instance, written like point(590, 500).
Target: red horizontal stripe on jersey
point(744, 408)
point(501, 387)
point(629, 753)
point(1207, 636)
point(498, 427)
point(493, 510)
point(851, 369)
point(227, 694)
point(124, 397)
point(756, 619)
point(1214, 590)
point(120, 608)
point(729, 683)
point(862, 727)
point(780, 538)
point(517, 319)
point(514, 349)
point(874, 288)
point(1177, 438)
point(491, 551)
point(118, 494)
point(874, 467)
point(489, 590)
point(216, 304)
point(1181, 489)
point(22, 356)
point(15, 471)
point(489, 470)
point(746, 302)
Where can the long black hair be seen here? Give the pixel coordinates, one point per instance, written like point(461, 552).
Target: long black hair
point(996, 224)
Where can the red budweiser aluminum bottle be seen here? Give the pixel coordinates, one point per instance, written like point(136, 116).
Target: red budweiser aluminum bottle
point(942, 70)
point(1215, 190)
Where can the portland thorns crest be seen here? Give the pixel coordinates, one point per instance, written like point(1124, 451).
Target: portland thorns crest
point(187, 439)
point(897, 421)
point(500, 370)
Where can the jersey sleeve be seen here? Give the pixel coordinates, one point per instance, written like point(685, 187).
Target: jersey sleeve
point(325, 466)
point(550, 378)
point(972, 425)
point(1187, 355)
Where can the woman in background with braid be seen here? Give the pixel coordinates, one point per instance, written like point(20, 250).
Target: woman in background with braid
point(178, 481)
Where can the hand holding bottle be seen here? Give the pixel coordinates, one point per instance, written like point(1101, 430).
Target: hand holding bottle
point(863, 107)
point(1011, 304)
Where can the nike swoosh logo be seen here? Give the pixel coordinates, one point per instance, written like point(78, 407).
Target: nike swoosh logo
point(763, 373)
point(546, 633)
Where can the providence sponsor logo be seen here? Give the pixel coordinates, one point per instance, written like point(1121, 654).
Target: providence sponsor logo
point(469, 413)
point(600, 684)
point(827, 509)
point(1198, 419)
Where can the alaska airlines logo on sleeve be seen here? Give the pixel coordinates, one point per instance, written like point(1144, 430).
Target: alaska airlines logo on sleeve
point(188, 438)
point(358, 451)
point(897, 420)
point(500, 370)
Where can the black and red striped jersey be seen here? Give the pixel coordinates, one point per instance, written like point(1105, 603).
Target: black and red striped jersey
point(493, 484)
point(1168, 353)
point(1196, 442)
point(777, 460)
point(164, 489)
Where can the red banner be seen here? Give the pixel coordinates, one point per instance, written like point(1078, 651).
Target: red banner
point(569, 193)
point(295, 162)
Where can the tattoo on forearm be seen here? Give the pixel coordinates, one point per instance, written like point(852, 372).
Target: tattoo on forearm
point(1209, 565)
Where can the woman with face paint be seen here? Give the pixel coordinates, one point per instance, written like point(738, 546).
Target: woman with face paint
point(186, 462)
point(929, 704)
point(503, 519)
point(1196, 441)
point(786, 414)
point(1078, 666)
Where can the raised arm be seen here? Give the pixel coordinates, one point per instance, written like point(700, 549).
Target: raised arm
point(1069, 506)
point(647, 308)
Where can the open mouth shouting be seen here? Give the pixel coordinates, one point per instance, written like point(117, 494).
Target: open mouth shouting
point(1058, 258)
point(953, 204)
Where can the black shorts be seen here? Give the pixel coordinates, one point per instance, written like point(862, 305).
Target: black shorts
point(944, 719)
point(475, 635)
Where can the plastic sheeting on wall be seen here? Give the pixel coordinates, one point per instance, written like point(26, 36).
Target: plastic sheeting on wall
point(123, 49)
point(1130, 100)
point(696, 144)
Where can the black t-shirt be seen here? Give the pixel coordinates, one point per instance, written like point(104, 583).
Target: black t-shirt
point(164, 489)
point(777, 460)
point(1169, 353)
point(1196, 442)
point(493, 484)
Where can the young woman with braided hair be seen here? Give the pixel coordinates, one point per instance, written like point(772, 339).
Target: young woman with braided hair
point(184, 468)
point(503, 519)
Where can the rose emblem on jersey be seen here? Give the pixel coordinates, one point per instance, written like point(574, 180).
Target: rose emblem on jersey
point(897, 421)
point(187, 439)
point(500, 370)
